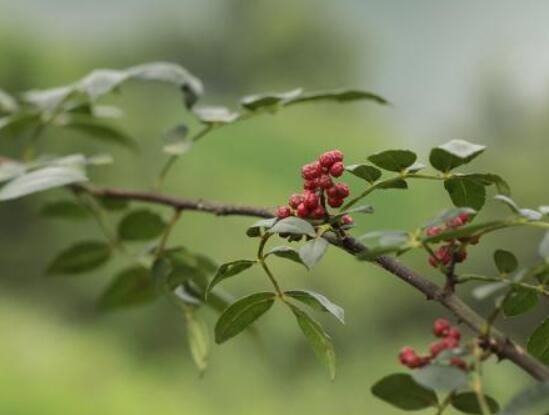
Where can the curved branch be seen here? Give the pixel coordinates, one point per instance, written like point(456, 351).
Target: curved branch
point(498, 343)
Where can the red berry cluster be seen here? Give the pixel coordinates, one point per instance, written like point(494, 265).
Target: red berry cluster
point(452, 251)
point(319, 189)
point(449, 339)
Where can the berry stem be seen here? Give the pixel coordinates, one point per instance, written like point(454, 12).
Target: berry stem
point(167, 232)
point(474, 277)
point(261, 260)
point(445, 403)
point(476, 382)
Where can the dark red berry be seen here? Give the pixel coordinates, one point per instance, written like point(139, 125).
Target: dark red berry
point(437, 347)
point(312, 184)
point(283, 212)
point(406, 354)
point(460, 255)
point(310, 200)
point(465, 217)
point(433, 231)
point(450, 342)
point(457, 221)
point(335, 202)
point(433, 261)
point(295, 200)
point(454, 333)
point(342, 190)
point(443, 255)
point(332, 192)
point(337, 155)
point(318, 213)
point(347, 220)
point(327, 159)
point(337, 169)
point(302, 211)
point(325, 181)
point(311, 171)
point(441, 326)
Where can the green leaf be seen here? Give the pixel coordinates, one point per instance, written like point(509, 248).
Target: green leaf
point(486, 290)
point(19, 124)
point(538, 343)
point(293, 225)
point(544, 210)
point(255, 230)
point(342, 95)
point(287, 253)
point(114, 203)
point(488, 179)
point(519, 301)
point(215, 115)
point(401, 391)
point(532, 401)
point(80, 257)
point(318, 302)
point(161, 269)
point(364, 171)
point(359, 209)
point(130, 287)
point(543, 248)
point(394, 160)
point(96, 129)
point(396, 183)
point(440, 378)
point(239, 315)
point(319, 340)
point(199, 339)
point(177, 141)
point(141, 225)
point(466, 192)
point(259, 101)
point(506, 262)
point(387, 242)
point(466, 231)
point(467, 402)
point(229, 269)
point(8, 104)
point(65, 209)
point(311, 252)
point(453, 154)
point(42, 179)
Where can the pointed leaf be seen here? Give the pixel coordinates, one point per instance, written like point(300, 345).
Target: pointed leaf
point(239, 315)
point(467, 402)
point(131, 287)
point(506, 262)
point(10, 170)
point(519, 301)
point(255, 230)
point(177, 141)
point(538, 343)
point(287, 253)
point(364, 171)
point(141, 225)
point(440, 378)
point(532, 401)
point(199, 339)
point(215, 115)
point(343, 95)
point(394, 160)
point(229, 269)
point(255, 102)
point(318, 339)
point(403, 392)
point(293, 225)
point(312, 251)
point(466, 192)
point(80, 257)
point(453, 154)
point(397, 183)
point(318, 302)
point(65, 209)
point(40, 180)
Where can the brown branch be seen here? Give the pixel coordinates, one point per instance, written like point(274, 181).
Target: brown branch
point(498, 343)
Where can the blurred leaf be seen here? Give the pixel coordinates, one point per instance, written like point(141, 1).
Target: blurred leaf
point(215, 115)
point(492, 179)
point(506, 262)
point(402, 391)
point(531, 401)
point(440, 378)
point(544, 210)
point(239, 315)
point(177, 141)
point(343, 95)
point(318, 302)
point(255, 230)
point(466, 231)
point(359, 209)
point(81, 257)
point(311, 252)
point(467, 402)
point(293, 225)
point(394, 160)
point(8, 104)
point(531, 214)
point(396, 183)
point(318, 339)
point(287, 253)
point(466, 192)
point(508, 201)
point(114, 203)
point(19, 123)
point(186, 296)
point(130, 287)
point(453, 154)
point(448, 214)
point(96, 129)
point(161, 269)
point(40, 180)
point(199, 339)
point(519, 301)
point(255, 102)
point(229, 269)
point(141, 225)
point(538, 343)
point(416, 167)
point(387, 242)
point(10, 170)
point(49, 99)
point(543, 248)
point(364, 171)
point(486, 290)
point(65, 209)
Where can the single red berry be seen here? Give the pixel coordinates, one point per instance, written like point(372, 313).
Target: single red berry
point(310, 200)
point(312, 184)
point(433, 231)
point(347, 220)
point(325, 181)
point(464, 217)
point(335, 202)
point(342, 190)
point(295, 200)
point(337, 169)
point(332, 192)
point(443, 255)
point(454, 333)
point(327, 159)
point(437, 347)
point(337, 155)
point(283, 212)
point(415, 362)
point(406, 354)
point(302, 211)
point(455, 222)
point(433, 261)
point(441, 326)
point(318, 213)
point(311, 171)
point(450, 342)
point(459, 363)
point(424, 361)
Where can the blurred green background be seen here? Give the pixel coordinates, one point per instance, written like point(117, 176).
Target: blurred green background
point(468, 69)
